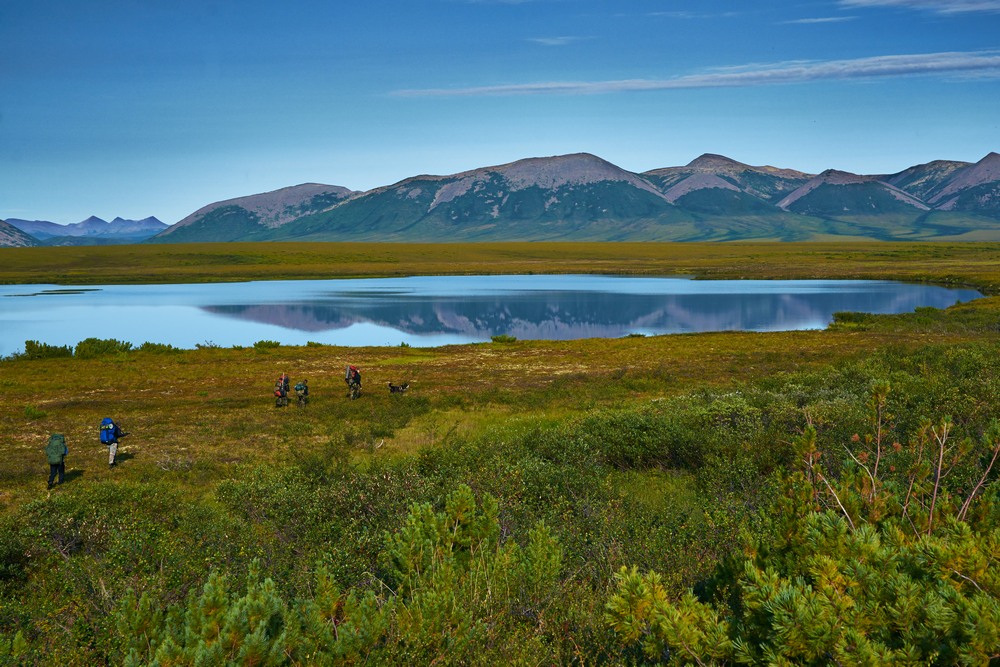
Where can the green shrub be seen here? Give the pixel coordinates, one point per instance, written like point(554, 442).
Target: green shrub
point(91, 348)
point(887, 563)
point(157, 348)
point(266, 344)
point(35, 350)
point(503, 338)
point(31, 412)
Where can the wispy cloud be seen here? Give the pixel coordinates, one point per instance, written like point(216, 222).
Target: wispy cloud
point(823, 19)
point(556, 41)
point(880, 67)
point(936, 6)
point(693, 15)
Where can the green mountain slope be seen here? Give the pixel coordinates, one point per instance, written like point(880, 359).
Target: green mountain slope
point(582, 197)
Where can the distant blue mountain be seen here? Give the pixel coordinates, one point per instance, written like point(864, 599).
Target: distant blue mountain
point(92, 231)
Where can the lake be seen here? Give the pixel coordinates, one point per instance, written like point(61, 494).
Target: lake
point(439, 310)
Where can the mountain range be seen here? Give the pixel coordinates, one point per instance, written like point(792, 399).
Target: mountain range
point(92, 231)
point(581, 197)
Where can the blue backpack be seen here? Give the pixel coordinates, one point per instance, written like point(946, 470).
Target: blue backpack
point(108, 429)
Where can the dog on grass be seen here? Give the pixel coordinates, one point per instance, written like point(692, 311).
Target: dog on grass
point(398, 388)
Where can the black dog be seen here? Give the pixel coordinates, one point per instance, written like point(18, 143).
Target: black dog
point(398, 388)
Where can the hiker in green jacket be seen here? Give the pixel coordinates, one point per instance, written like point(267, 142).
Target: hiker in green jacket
point(56, 452)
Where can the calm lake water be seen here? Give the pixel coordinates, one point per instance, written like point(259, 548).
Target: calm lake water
point(439, 310)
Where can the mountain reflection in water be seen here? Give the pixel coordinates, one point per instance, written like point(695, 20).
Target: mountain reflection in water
point(528, 312)
point(438, 310)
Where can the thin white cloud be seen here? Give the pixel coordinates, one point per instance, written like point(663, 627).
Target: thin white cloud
point(823, 19)
point(936, 6)
point(693, 15)
point(556, 41)
point(879, 67)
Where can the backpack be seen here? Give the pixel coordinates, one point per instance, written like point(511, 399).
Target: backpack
point(108, 431)
point(56, 449)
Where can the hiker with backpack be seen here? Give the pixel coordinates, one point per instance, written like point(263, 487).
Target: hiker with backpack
point(110, 432)
point(353, 379)
point(281, 391)
point(56, 452)
point(302, 391)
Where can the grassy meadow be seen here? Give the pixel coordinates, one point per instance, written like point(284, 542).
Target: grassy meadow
point(946, 263)
point(485, 514)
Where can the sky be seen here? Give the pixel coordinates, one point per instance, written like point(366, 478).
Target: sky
point(137, 108)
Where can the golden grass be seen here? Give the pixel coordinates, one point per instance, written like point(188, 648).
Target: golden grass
point(196, 415)
point(958, 263)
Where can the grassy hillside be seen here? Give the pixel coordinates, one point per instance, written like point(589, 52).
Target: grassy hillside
point(550, 464)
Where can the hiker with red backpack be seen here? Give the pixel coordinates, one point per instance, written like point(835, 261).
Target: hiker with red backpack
point(281, 391)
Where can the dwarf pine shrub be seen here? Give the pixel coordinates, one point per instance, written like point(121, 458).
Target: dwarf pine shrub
point(35, 350)
point(91, 348)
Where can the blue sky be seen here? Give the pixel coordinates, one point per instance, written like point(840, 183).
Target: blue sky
point(135, 108)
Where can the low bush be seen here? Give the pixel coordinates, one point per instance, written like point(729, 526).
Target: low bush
point(35, 350)
point(33, 413)
point(92, 348)
point(157, 348)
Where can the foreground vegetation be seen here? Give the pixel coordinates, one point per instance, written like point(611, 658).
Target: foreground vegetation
point(789, 498)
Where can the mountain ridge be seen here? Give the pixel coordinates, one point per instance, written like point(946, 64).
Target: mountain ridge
point(580, 196)
point(583, 197)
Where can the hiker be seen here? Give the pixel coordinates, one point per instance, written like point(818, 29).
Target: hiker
point(281, 391)
point(302, 391)
point(110, 432)
point(353, 379)
point(56, 452)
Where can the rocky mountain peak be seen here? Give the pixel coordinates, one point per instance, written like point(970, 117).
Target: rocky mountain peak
point(714, 162)
point(546, 173)
point(985, 171)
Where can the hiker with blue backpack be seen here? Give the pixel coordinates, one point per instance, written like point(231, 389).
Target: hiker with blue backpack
point(110, 432)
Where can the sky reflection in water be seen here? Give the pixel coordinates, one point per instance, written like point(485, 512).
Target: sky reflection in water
point(439, 310)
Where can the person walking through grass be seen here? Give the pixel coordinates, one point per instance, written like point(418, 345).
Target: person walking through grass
point(302, 391)
point(56, 452)
point(109, 438)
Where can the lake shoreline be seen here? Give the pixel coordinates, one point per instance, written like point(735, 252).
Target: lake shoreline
point(432, 311)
